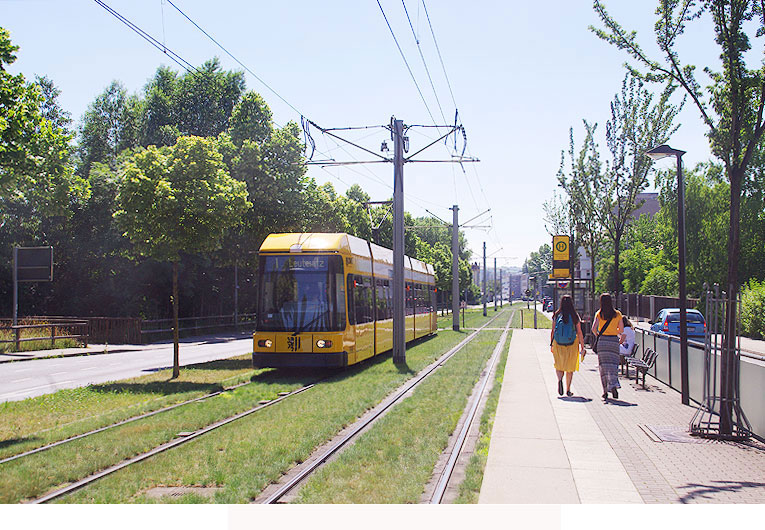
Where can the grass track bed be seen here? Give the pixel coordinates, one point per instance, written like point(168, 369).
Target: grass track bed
point(41, 420)
point(470, 488)
point(36, 474)
point(392, 462)
point(243, 457)
point(528, 319)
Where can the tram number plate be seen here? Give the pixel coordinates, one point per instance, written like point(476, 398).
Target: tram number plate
point(293, 343)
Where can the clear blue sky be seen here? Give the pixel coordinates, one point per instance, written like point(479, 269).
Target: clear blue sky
point(522, 74)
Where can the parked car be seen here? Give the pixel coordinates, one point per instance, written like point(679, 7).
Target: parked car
point(668, 322)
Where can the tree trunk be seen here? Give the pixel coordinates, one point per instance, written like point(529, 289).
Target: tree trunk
point(617, 242)
point(176, 357)
point(727, 368)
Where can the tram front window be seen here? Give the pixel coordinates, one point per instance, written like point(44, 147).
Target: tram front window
point(301, 293)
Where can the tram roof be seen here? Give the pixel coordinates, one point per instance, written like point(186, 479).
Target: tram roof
point(334, 242)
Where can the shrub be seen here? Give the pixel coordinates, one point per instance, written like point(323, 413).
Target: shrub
point(753, 309)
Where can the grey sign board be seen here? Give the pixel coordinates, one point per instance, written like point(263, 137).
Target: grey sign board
point(34, 264)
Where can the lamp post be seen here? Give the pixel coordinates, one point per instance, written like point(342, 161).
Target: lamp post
point(657, 153)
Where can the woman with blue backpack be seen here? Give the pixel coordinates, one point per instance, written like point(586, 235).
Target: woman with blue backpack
point(566, 342)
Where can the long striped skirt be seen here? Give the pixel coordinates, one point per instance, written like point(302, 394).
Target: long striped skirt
point(608, 362)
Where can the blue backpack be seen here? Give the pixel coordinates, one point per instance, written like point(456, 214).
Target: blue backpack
point(565, 333)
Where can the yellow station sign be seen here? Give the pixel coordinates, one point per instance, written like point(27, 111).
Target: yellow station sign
point(561, 257)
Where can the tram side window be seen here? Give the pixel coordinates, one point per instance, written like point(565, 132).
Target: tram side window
point(361, 293)
point(409, 294)
point(383, 309)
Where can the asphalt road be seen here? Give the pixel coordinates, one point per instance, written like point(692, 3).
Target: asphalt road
point(20, 380)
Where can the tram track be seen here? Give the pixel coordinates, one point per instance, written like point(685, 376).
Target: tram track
point(478, 400)
point(187, 437)
point(120, 423)
point(295, 478)
point(182, 438)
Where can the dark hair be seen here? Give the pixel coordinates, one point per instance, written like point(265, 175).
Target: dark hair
point(567, 309)
point(627, 323)
point(607, 311)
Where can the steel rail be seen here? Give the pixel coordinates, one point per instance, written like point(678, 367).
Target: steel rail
point(446, 474)
point(159, 449)
point(362, 424)
point(120, 423)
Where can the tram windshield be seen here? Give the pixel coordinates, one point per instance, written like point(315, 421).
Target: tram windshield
point(301, 293)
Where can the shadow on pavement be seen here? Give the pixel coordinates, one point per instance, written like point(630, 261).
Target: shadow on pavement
point(707, 491)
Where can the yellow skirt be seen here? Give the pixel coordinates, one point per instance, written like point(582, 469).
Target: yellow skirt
point(566, 357)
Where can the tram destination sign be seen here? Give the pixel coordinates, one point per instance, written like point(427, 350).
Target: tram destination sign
point(34, 264)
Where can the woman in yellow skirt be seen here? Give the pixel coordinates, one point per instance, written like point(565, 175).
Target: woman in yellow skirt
point(567, 344)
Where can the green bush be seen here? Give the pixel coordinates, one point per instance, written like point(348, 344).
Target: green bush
point(753, 309)
point(660, 282)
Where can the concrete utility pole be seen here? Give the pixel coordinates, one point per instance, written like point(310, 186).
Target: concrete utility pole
point(455, 270)
point(399, 337)
point(501, 288)
point(484, 278)
point(495, 284)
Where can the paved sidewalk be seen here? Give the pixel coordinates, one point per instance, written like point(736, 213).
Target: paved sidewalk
point(560, 450)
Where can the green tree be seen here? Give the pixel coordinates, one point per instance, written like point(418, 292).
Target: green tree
point(581, 182)
point(732, 107)
point(177, 200)
point(637, 124)
point(109, 126)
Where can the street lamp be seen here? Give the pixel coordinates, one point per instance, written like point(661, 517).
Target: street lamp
point(657, 153)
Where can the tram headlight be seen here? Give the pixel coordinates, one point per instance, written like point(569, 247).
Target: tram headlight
point(266, 343)
point(323, 343)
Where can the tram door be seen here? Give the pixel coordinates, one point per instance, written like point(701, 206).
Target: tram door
point(361, 293)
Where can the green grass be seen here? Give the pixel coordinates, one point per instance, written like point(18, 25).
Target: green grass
point(470, 488)
point(528, 319)
point(245, 456)
point(44, 419)
point(34, 475)
point(392, 462)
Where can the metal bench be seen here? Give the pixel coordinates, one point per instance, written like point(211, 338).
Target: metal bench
point(625, 359)
point(644, 364)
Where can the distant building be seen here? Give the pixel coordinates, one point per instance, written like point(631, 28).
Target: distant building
point(650, 205)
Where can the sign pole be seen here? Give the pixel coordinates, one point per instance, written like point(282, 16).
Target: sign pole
point(399, 337)
point(15, 285)
point(455, 270)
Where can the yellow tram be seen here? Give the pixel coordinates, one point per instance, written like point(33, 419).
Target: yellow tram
point(327, 300)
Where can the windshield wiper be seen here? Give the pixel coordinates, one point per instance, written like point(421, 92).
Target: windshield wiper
point(300, 329)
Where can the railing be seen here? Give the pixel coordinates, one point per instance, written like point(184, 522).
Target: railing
point(645, 307)
point(667, 370)
point(154, 329)
point(56, 327)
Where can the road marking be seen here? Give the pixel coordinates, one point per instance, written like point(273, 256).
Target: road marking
point(26, 390)
point(58, 373)
point(20, 380)
point(91, 368)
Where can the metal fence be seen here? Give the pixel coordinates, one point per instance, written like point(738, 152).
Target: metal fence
point(161, 329)
point(645, 307)
point(667, 370)
point(124, 330)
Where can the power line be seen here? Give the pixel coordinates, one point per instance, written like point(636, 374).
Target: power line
point(439, 53)
point(290, 105)
point(148, 38)
point(424, 63)
point(406, 62)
